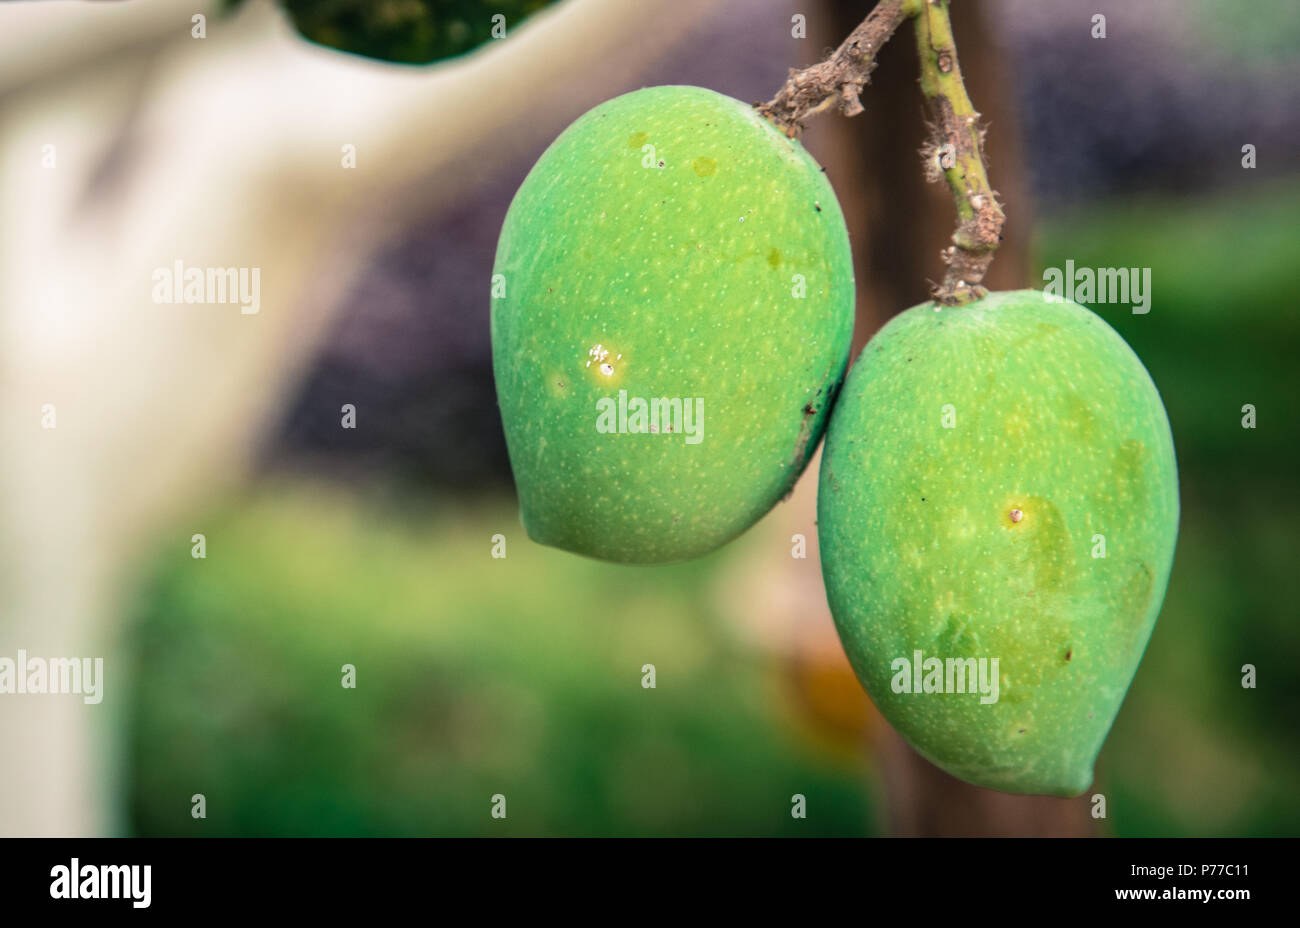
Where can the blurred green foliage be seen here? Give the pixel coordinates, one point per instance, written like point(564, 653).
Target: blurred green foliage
point(1193, 753)
point(522, 676)
point(404, 31)
point(1264, 38)
point(475, 676)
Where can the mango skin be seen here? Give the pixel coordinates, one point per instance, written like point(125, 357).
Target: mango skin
point(684, 276)
point(1055, 417)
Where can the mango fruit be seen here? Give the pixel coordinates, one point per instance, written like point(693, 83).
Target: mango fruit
point(997, 513)
point(672, 307)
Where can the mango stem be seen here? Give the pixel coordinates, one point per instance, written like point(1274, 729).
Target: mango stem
point(955, 152)
point(955, 148)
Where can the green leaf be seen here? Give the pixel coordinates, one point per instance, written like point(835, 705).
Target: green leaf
point(406, 31)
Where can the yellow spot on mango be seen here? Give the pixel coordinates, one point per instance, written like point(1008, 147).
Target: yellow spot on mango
point(604, 364)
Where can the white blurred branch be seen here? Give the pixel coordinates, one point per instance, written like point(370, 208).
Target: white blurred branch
point(222, 152)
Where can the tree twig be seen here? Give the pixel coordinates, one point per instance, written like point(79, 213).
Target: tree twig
point(841, 77)
point(954, 151)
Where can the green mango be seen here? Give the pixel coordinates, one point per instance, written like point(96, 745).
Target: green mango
point(999, 484)
point(672, 310)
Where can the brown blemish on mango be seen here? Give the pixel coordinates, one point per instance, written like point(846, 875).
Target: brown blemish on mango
point(1042, 540)
point(557, 385)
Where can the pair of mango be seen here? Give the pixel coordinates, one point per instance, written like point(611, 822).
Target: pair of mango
point(998, 503)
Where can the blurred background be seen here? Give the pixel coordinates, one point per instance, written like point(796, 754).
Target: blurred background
point(128, 141)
